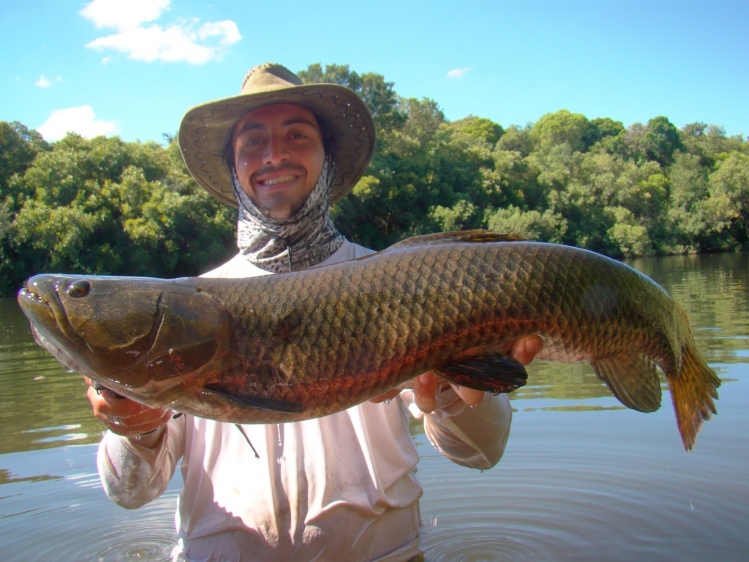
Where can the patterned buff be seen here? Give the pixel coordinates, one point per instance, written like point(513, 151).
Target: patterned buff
point(283, 245)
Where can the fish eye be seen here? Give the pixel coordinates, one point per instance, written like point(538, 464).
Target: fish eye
point(79, 289)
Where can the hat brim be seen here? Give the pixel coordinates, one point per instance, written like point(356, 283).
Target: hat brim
point(205, 131)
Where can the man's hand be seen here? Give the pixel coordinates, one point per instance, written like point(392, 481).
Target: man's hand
point(126, 417)
point(427, 386)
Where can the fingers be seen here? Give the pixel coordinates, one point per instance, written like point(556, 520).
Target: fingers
point(124, 416)
point(428, 386)
point(432, 392)
point(385, 396)
point(135, 420)
point(425, 388)
point(470, 396)
point(525, 348)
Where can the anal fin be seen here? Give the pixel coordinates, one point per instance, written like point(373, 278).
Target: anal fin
point(633, 379)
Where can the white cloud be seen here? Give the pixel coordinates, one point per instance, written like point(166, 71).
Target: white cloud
point(43, 82)
point(458, 73)
point(81, 120)
point(123, 15)
point(183, 41)
point(226, 30)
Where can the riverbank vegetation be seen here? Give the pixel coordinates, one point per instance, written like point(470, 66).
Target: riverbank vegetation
point(106, 206)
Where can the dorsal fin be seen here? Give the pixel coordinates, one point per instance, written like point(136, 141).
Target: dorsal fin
point(477, 236)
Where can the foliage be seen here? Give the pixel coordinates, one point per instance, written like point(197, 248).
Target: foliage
point(107, 206)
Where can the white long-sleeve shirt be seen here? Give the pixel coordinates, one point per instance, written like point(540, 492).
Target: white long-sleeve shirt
point(340, 487)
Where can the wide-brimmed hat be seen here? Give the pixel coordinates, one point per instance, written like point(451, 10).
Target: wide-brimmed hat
point(205, 130)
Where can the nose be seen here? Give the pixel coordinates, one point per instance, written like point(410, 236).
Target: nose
point(275, 150)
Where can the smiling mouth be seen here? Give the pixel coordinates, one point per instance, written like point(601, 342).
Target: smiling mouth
point(275, 181)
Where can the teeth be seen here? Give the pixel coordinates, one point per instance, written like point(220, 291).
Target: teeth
point(274, 181)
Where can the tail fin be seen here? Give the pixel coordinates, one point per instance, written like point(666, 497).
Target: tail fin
point(692, 392)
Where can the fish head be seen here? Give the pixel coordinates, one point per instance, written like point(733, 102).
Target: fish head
point(139, 337)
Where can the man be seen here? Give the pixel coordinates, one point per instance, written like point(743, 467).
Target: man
point(340, 487)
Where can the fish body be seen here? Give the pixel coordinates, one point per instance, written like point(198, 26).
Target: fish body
point(294, 346)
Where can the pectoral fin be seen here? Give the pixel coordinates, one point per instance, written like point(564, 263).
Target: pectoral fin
point(489, 372)
point(633, 379)
point(253, 401)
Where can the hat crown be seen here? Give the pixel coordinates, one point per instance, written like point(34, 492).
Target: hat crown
point(268, 77)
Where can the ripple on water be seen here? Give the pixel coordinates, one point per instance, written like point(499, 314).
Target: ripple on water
point(147, 548)
point(53, 508)
point(481, 543)
point(604, 494)
point(149, 538)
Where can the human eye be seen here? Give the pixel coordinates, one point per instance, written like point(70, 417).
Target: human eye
point(250, 141)
point(297, 135)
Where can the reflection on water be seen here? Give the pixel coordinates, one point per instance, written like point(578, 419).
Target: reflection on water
point(64, 515)
point(43, 405)
point(582, 478)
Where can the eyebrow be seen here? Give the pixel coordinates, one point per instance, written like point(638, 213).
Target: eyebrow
point(254, 125)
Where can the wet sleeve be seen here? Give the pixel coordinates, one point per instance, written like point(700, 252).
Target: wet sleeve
point(470, 436)
point(133, 475)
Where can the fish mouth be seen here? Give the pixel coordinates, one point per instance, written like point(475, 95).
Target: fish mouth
point(31, 298)
point(28, 294)
point(48, 324)
point(41, 299)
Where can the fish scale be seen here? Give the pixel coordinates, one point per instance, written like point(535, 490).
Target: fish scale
point(305, 344)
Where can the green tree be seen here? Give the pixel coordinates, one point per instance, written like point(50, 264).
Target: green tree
point(377, 94)
point(19, 147)
point(604, 128)
point(563, 127)
point(727, 207)
point(423, 119)
point(515, 139)
point(461, 216)
point(106, 206)
point(512, 180)
point(556, 165)
point(685, 216)
point(600, 186)
point(628, 234)
point(477, 128)
point(531, 225)
point(660, 141)
point(710, 143)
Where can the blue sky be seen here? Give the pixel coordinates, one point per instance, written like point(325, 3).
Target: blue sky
point(133, 67)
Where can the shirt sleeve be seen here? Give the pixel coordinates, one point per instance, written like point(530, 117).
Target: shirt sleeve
point(469, 436)
point(133, 475)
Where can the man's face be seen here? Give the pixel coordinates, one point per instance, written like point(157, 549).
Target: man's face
point(278, 155)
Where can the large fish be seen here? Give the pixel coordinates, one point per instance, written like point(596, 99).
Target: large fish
point(306, 344)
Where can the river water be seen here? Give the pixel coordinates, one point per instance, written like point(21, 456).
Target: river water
point(582, 478)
